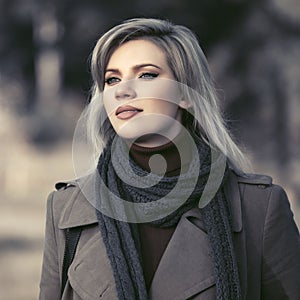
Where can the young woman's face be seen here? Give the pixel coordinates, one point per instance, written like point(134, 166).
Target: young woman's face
point(140, 94)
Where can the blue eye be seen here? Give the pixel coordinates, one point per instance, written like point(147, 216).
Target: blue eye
point(148, 75)
point(111, 80)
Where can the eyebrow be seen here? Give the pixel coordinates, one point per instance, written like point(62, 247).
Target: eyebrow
point(135, 68)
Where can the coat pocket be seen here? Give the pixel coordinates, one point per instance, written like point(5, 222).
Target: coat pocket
point(90, 274)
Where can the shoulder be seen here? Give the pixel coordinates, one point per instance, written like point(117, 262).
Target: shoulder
point(261, 197)
point(65, 190)
point(255, 179)
point(59, 199)
point(257, 184)
point(260, 185)
point(72, 203)
point(62, 198)
point(62, 192)
point(255, 193)
point(263, 207)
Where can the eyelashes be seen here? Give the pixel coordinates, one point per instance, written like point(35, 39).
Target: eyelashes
point(111, 80)
point(146, 76)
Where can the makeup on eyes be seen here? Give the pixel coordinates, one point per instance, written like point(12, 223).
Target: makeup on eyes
point(141, 71)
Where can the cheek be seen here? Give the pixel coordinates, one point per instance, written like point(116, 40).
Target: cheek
point(164, 90)
point(165, 108)
point(109, 102)
point(107, 106)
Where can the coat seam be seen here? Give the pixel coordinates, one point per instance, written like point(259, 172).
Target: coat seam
point(55, 232)
point(264, 230)
point(51, 200)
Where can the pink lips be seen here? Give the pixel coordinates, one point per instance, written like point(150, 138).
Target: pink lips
point(127, 111)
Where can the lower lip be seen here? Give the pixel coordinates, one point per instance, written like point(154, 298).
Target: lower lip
point(125, 115)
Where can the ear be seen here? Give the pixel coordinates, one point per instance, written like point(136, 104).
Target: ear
point(184, 104)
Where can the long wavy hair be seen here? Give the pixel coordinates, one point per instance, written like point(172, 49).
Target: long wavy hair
point(190, 68)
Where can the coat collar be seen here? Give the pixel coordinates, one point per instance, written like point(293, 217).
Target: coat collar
point(232, 194)
point(80, 209)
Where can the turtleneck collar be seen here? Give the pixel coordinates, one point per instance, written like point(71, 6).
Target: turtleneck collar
point(164, 159)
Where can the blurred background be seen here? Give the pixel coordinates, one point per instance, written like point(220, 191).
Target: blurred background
point(253, 48)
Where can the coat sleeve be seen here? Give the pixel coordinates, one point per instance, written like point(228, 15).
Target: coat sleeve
point(50, 278)
point(281, 250)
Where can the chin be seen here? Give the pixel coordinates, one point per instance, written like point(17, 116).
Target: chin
point(151, 129)
point(134, 135)
point(146, 138)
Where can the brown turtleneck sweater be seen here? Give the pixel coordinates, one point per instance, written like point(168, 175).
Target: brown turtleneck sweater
point(154, 240)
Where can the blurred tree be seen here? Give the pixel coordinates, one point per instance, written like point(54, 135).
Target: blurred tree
point(17, 50)
point(47, 32)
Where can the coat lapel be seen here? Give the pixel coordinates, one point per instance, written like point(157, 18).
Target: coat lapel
point(81, 207)
point(90, 275)
point(234, 194)
point(186, 267)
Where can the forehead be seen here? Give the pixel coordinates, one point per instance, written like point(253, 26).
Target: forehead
point(136, 52)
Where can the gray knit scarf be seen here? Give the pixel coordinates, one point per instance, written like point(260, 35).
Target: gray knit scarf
point(122, 240)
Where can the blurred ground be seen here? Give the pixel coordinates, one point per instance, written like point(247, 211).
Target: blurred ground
point(27, 175)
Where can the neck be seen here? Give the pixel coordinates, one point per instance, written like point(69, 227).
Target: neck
point(164, 136)
point(163, 159)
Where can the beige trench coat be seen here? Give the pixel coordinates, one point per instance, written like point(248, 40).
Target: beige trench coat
point(266, 242)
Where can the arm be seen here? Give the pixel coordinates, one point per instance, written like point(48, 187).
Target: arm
point(50, 280)
point(281, 250)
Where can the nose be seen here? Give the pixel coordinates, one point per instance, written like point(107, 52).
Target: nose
point(125, 91)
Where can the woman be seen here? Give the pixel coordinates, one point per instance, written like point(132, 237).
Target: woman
point(177, 217)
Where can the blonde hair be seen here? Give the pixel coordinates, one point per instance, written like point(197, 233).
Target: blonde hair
point(189, 66)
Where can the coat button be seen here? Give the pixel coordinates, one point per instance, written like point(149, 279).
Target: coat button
point(262, 186)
